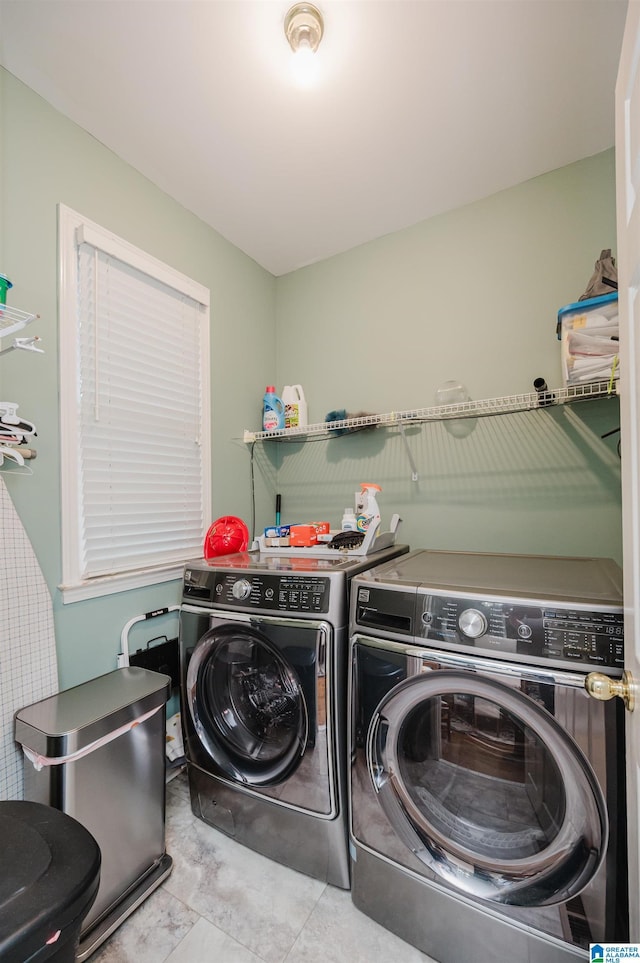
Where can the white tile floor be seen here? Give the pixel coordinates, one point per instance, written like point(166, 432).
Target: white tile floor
point(224, 903)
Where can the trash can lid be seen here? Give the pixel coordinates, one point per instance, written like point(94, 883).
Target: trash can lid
point(24, 857)
point(49, 876)
point(75, 718)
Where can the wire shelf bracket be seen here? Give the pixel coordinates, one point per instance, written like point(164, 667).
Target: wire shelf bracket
point(13, 320)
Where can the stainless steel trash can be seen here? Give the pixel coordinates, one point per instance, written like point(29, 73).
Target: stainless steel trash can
point(97, 752)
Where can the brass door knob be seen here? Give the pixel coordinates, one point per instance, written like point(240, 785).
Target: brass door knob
point(602, 687)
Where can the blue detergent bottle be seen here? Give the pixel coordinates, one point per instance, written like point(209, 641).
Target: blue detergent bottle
point(272, 410)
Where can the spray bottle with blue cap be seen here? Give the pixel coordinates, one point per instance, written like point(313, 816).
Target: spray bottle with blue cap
point(369, 515)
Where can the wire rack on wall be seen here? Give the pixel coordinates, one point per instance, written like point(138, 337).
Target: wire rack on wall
point(467, 409)
point(13, 320)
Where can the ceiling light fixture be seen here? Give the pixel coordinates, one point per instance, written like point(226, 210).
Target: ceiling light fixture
point(303, 28)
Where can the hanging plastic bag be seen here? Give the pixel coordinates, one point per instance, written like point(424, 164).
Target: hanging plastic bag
point(604, 279)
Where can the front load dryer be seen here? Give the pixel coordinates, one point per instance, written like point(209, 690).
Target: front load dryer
point(487, 805)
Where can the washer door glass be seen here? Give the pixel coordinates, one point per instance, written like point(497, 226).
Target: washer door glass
point(247, 705)
point(487, 789)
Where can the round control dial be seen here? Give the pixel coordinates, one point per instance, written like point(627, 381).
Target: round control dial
point(241, 589)
point(472, 623)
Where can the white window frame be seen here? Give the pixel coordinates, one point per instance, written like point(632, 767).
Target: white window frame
point(72, 230)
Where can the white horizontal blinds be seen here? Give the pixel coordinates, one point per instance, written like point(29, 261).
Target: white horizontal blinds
point(140, 397)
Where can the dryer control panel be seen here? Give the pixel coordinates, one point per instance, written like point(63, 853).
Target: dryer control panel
point(585, 636)
point(549, 611)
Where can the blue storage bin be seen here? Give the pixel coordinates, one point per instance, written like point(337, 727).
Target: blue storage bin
point(589, 332)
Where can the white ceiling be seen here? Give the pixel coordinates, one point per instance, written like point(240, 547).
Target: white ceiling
point(420, 106)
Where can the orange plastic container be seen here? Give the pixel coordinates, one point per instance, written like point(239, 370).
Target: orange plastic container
point(302, 536)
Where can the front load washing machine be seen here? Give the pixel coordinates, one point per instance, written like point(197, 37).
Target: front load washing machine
point(263, 663)
point(487, 804)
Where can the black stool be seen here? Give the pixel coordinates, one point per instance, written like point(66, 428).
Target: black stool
point(49, 876)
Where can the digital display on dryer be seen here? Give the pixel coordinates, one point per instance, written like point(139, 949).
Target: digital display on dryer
point(593, 637)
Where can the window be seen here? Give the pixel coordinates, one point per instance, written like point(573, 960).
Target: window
point(134, 387)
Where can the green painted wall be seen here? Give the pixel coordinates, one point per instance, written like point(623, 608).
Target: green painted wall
point(46, 159)
point(471, 295)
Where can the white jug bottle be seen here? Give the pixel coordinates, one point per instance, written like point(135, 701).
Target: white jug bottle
point(349, 521)
point(295, 406)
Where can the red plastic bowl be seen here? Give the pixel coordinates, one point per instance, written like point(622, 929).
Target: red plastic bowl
point(225, 536)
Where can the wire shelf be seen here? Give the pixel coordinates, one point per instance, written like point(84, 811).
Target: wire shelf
point(13, 320)
point(467, 409)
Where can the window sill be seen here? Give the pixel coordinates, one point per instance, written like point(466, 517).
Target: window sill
point(112, 584)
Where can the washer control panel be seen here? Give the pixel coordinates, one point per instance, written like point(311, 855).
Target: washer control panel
point(258, 590)
point(569, 634)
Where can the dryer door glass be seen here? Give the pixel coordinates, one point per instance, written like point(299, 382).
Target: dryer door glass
point(247, 704)
point(486, 788)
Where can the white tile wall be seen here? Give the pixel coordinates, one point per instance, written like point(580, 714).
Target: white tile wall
point(28, 669)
